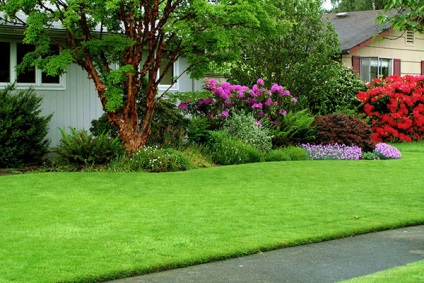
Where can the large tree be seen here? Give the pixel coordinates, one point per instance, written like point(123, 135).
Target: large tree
point(357, 5)
point(305, 60)
point(409, 15)
point(122, 45)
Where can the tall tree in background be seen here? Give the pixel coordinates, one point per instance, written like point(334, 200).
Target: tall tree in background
point(357, 5)
point(409, 16)
point(305, 61)
point(140, 37)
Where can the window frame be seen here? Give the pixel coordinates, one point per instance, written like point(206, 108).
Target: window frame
point(38, 84)
point(175, 72)
point(366, 70)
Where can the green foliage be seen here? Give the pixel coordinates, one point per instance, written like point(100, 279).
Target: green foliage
point(357, 5)
point(408, 17)
point(169, 126)
point(181, 29)
point(198, 130)
point(225, 150)
point(286, 154)
point(152, 159)
point(22, 130)
point(294, 128)
point(78, 147)
point(369, 155)
point(305, 61)
point(243, 127)
point(343, 130)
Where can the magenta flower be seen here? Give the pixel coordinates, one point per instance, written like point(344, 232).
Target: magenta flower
point(294, 99)
point(224, 113)
point(268, 102)
point(182, 106)
point(260, 81)
point(257, 105)
point(276, 88)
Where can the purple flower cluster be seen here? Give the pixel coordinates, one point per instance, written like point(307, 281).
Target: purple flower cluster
point(226, 98)
point(385, 151)
point(334, 151)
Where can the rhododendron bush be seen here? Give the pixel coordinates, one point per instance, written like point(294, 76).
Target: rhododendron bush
point(224, 99)
point(395, 106)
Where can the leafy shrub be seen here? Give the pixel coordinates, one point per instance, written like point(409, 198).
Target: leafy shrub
point(297, 153)
point(286, 154)
point(152, 159)
point(22, 130)
point(225, 150)
point(342, 129)
point(198, 130)
point(395, 106)
point(369, 156)
point(294, 128)
point(245, 128)
point(79, 147)
point(277, 155)
point(198, 160)
point(333, 151)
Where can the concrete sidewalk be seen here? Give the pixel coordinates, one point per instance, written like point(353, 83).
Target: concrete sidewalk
point(329, 261)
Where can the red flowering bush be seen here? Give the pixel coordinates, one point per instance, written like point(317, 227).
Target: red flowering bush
point(395, 106)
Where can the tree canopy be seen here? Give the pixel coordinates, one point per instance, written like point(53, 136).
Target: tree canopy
point(357, 5)
point(305, 61)
point(122, 45)
point(409, 16)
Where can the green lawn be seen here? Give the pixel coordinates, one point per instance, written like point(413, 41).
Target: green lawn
point(410, 273)
point(97, 226)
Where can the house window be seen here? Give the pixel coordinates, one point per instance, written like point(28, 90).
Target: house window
point(169, 76)
point(168, 81)
point(11, 55)
point(5, 62)
point(375, 67)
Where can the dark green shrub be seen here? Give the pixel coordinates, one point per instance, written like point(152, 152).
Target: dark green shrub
point(294, 128)
point(225, 150)
point(78, 147)
point(243, 127)
point(342, 129)
point(297, 153)
point(277, 155)
point(198, 130)
point(22, 130)
point(102, 125)
point(152, 159)
point(286, 154)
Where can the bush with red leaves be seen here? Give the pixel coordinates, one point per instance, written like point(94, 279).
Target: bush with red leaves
point(343, 129)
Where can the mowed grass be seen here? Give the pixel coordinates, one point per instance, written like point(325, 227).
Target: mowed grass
point(82, 227)
point(410, 273)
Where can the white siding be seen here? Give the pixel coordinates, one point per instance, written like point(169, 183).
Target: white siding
point(74, 107)
point(79, 104)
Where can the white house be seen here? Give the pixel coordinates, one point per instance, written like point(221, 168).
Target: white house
point(71, 98)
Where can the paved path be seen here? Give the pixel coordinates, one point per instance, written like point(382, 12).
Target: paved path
point(329, 261)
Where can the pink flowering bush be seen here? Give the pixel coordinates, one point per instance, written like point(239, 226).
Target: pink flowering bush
point(386, 151)
point(333, 151)
point(268, 105)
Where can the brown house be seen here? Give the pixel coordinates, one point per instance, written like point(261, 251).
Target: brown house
point(375, 50)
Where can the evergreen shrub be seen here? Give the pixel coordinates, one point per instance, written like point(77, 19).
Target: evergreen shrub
point(22, 129)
